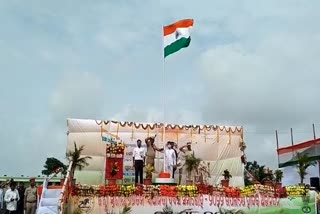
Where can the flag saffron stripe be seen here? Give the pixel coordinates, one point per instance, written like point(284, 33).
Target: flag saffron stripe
point(298, 146)
point(184, 23)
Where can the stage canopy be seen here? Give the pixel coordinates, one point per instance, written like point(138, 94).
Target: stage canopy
point(218, 146)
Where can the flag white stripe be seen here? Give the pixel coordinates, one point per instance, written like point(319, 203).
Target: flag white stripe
point(183, 32)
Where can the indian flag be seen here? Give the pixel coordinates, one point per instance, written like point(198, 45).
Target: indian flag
point(177, 36)
point(287, 155)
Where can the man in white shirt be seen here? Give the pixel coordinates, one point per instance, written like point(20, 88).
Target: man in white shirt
point(170, 159)
point(138, 161)
point(11, 197)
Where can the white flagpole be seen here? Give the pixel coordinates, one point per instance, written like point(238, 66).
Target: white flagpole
point(164, 101)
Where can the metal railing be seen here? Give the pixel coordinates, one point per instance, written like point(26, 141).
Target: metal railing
point(65, 190)
point(45, 185)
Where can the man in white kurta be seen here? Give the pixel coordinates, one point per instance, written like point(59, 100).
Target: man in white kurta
point(170, 159)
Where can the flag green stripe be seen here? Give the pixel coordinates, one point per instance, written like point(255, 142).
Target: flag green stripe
point(295, 162)
point(176, 46)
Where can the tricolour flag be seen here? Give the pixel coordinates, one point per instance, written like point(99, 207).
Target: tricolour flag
point(287, 155)
point(177, 36)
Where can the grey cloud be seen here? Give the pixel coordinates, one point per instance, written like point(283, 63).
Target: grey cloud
point(78, 94)
point(272, 85)
point(265, 81)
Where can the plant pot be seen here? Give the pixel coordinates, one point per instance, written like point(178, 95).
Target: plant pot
point(164, 175)
point(189, 181)
point(147, 181)
point(267, 183)
point(225, 183)
point(278, 185)
point(112, 181)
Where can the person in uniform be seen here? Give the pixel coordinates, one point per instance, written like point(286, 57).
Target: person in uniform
point(30, 198)
point(151, 151)
point(203, 170)
point(185, 151)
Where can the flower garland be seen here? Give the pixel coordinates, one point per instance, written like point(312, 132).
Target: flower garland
point(115, 149)
point(150, 191)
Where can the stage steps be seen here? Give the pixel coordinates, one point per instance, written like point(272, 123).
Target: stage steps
point(49, 201)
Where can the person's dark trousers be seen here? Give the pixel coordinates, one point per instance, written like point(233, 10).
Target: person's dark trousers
point(173, 171)
point(20, 209)
point(11, 212)
point(138, 171)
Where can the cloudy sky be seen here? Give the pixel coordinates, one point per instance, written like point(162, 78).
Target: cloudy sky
point(250, 63)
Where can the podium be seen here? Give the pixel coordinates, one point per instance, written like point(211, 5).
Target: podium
point(114, 162)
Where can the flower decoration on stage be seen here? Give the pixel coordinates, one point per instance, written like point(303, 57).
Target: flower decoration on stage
point(296, 190)
point(247, 190)
point(114, 169)
point(115, 149)
point(232, 192)
point(187, 190)
point(127, 190)
point(205, 189)
point(150, 191)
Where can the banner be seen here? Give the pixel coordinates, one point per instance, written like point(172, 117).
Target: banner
point(114, 168)
point(205, 204)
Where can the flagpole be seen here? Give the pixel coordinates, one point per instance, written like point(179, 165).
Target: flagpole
point(164, 100)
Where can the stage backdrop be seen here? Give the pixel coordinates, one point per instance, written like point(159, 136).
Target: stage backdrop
point(218, 146)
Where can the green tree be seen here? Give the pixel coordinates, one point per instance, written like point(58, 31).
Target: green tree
point(51, 165)
point(303, 163)
point(256, 171)
point(78, 161)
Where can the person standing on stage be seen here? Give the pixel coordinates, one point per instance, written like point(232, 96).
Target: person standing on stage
point(175, 149)
point(170, 159)
point(151, 151)
point(138, 162)
point(185, 151)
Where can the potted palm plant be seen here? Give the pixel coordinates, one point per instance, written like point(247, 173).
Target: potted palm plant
point(78, 161)
point(303, 163)
point(149, 170)
point(278, 174)
point(192, 163)
point(226, 175)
